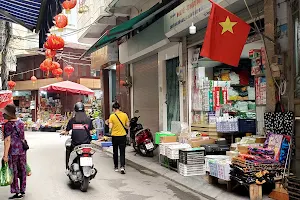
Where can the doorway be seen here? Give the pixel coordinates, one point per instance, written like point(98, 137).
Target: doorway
point(172, 96)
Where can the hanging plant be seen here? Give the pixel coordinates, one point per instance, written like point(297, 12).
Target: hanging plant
point(11, 84)
point(68, 5)
point(33, 79)
point(69, 70)
point(50, 53)
point(54, 42)
point(61, 21)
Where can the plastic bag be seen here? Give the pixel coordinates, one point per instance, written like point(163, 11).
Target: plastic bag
point(6, 176)
point(28, 170)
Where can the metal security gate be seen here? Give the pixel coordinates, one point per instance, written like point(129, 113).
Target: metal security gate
point(145, 92)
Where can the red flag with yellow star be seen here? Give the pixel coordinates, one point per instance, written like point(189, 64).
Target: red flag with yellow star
point(225, 36)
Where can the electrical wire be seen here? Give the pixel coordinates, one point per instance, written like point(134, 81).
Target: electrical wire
point(33, 70)
point(73, 63)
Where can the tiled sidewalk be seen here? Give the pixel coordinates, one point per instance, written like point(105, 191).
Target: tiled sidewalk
point(198, 184)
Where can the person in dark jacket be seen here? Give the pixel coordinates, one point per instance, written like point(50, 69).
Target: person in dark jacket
point(81, 126)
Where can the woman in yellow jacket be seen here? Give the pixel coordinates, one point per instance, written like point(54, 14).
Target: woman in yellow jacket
point(118, 124)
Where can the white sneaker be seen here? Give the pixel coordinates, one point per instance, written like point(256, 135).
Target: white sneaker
point(116, 169)
point(123, 170)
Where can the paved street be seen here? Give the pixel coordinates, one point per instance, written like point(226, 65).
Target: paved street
point(49, 182)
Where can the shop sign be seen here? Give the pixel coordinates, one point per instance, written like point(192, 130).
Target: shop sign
point(187, 10)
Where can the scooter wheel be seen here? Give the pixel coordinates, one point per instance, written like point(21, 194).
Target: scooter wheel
point(142, 150)
point(150, 154)
point(85, 184)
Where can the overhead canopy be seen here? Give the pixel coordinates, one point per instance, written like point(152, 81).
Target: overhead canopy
point(32, 14)
point(121, 30)
point(67, 86)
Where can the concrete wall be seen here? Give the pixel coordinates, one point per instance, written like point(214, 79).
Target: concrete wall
point(142, 43)
point(142, 6)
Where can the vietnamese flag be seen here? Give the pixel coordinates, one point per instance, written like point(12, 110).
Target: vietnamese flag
point(225, 36)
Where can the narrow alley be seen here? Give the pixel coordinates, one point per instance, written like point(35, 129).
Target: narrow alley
point(48, 181)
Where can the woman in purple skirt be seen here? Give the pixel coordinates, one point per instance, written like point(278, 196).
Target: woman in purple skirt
point(14, 153)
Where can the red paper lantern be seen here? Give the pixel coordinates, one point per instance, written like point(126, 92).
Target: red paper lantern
point(50, 53)
point(33, 79)
point(11, 84)
point(43, 67)
point(54, 42)
point(61, 21)
point(57, 72)
point(55, 65)
point(69, 70)
point(68, 5)
point(48, 63)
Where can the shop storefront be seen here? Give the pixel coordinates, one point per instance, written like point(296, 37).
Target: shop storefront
point(145, 91)
point(226, 111)
point(228, 101)
point(25, 104)
point(148, 71)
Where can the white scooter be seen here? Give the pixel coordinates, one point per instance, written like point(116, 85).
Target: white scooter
point(82, 168)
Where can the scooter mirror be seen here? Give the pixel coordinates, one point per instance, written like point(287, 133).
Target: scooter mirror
point(137, 111)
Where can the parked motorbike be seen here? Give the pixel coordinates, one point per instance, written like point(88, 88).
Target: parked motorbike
point(142, 139)
point(82, 169)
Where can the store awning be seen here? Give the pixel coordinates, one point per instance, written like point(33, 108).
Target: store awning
point(128, 26)
point(69, 87)
point(35, 15)
point(23, 12)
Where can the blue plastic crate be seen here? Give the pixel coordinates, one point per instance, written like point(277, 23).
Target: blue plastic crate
point(106, 144)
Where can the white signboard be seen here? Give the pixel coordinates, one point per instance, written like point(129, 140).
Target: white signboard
point(190, 10)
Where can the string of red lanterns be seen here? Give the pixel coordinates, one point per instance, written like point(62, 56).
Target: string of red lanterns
point(33, 79)
point(52, 44)
point(68, 5)
point(69, 70)
point(61, 21)
point(50, 53)
point(11, 84)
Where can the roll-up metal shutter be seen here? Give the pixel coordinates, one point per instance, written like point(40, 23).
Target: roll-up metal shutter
point(256, 10)
point(145, 92)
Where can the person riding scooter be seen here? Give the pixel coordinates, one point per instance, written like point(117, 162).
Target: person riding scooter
point(81, 126)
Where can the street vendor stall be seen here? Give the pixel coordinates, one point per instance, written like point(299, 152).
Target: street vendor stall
point(52, 107)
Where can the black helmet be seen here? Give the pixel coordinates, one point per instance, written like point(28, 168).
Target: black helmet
point(79, 107)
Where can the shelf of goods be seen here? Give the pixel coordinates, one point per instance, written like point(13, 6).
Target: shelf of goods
point(209, 129)
point(260, 163)
point(227, 90)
